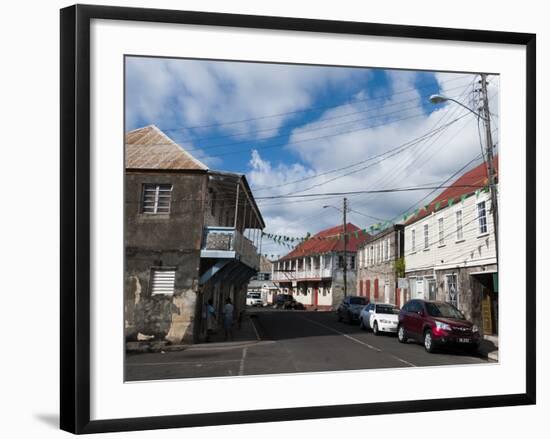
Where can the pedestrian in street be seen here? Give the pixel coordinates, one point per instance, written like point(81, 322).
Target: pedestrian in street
point(210, 319)
point(228, 319)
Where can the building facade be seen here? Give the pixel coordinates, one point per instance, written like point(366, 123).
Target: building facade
point(314, 271)
point(450, 251)
point(191, 235)
point(378, 265)
point(261, 283)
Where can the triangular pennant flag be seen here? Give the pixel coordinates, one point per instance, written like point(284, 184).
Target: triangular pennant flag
point(405, 217)
point(463, 197)
point(450, 202)
point(477, 193)
point(437, 205)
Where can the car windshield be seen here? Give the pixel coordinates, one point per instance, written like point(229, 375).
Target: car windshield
point(357, 301)
point(254, 295)
point(387, 309)
point(444, 310)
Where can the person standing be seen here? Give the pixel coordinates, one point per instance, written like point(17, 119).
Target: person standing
point(228, 319)
point(210, 319)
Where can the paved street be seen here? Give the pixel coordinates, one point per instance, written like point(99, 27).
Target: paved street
point(275, 341)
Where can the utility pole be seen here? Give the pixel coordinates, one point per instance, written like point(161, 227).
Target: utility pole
point(344, 210)
point(489, 150)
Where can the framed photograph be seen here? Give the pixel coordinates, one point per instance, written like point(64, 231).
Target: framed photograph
point(273, 218)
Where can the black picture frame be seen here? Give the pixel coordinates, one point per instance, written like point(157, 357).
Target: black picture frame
point(75, 217)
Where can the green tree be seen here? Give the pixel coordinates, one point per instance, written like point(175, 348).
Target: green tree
point(400, 267)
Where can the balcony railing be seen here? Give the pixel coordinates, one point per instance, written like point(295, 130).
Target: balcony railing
point(296, 275)
point(228, 243)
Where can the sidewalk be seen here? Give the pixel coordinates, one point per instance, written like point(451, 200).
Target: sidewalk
point(488, 347)
point(246, 334)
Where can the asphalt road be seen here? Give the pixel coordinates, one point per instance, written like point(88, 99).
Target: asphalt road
point(276, 341)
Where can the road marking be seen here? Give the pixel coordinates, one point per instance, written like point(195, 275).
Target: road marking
point(344, 334)
point(255, 329)
point(241, 367)
point(181, 362)
point(360, 342)
point(403, 361)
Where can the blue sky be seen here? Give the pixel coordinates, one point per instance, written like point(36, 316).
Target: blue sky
point(281, 123)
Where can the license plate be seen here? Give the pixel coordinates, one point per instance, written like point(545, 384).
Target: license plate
point(464, 340)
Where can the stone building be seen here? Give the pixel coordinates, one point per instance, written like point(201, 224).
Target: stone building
point(450, 250)
point(377, 271)
point(314, 271)
point(191, 234)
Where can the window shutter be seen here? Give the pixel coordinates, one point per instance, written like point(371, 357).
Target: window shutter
point(163, 281)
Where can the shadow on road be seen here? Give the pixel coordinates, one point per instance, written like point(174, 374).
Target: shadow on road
point(275, 324)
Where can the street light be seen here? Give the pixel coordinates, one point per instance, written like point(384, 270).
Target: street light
point(344, 210)
point(438, 99)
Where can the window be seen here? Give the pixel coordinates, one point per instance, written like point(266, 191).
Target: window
point(163, 280)
point(441, 231)
point(413, 240)
point(388, 249)
point(426, 236)
point(459, 231)
point(156, 198)
point(352, 263)
point(340, 262)
point(482, 217)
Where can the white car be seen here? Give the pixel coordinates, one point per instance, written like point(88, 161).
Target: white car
point(254, 299)
point(380, 317)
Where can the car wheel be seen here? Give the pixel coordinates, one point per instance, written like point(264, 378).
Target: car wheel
point(350, 318)
point(339, 316)
point(428, 341)
point(375, 330)
point(401, 336)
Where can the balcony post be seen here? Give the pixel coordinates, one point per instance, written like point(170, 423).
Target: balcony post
point(236, 207)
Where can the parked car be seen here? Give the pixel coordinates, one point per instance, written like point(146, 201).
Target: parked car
point(254, 299)
point(286, 301)
point(350, 308)
point(436, 324)
point(380, 317)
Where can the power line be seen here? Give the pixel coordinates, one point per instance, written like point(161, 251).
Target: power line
point(294, 125)
point(403, 146)
point(409, 90)
point(405, 166)
point(381, 191)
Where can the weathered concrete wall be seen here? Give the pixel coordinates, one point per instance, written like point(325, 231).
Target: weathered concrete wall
point(160, 316)
point(182, 228)
point(163, 240)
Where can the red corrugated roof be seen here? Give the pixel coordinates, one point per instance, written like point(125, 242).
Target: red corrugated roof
point(324, 242)
point(469, 182)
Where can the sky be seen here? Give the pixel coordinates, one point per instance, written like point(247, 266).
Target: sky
point(302, 129)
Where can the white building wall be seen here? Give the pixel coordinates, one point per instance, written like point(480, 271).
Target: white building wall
point(472, 249)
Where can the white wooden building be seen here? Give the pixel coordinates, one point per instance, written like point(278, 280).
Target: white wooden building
point(450, 251)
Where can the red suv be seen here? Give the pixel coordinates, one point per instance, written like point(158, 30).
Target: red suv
point(436, 324)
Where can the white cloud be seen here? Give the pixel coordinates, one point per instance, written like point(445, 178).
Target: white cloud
point(431, 161)
point(187, 93)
